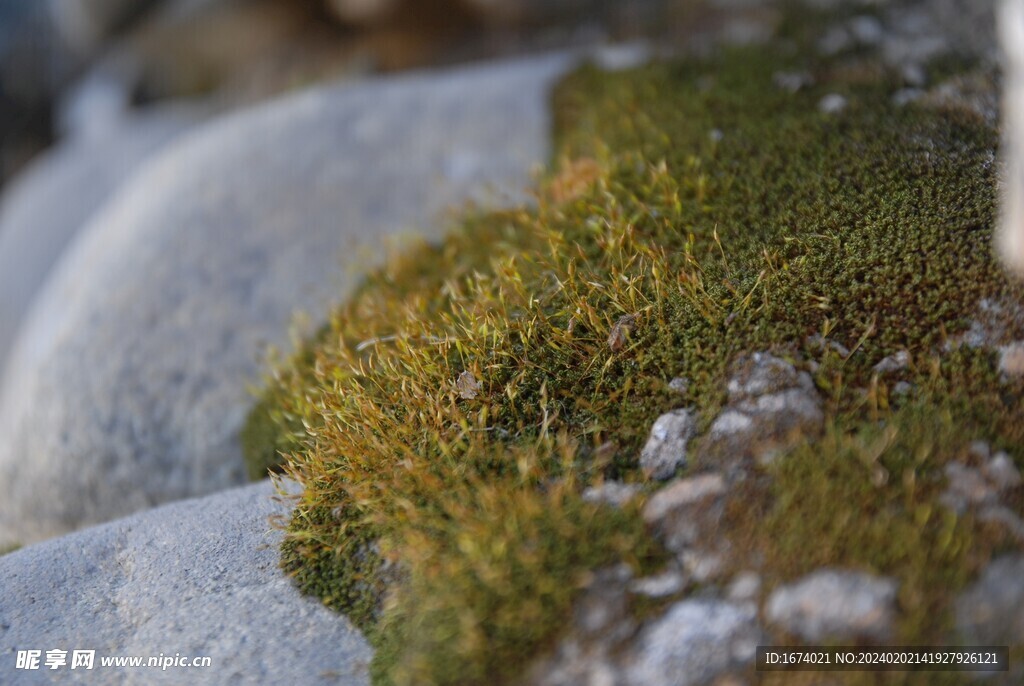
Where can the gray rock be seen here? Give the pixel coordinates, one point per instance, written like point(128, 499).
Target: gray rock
point(771, 405)
point(731, 422)
point(696, 641)
point(601, 622)
point(866, 30)
point(912, 37)
point(703, 565)
point(966, 487)
point(46, 206)
point(682, 495)
point(792, 81)
point(665, 450)
point(745, 587)
point(980, 488)
point(622, 56)
point(914, 75)
point(1001, 472)
point(905, 96)
point(992, 325)
point(1004, 517)
point(128, 384)
point(973, 487)
point(603, 605)
point(833, 103)
point(919, 29)
point(893, 363)
point(980, 449)
point(902, 388)
point(989, 611)
point(659, 586)
point(835, 604)
point(199, 578)
point(835, 40)
point(1011, 359)
point(679, 384)
point(682, 514)
point(764, 374)
point(612, 493)
point(820, 342)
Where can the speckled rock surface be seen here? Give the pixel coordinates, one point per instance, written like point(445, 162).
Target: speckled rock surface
point(665, 450)
point(771, 405)
point(989, 611)
point(696, 641)
point(199, 578)
point(127, 386)
point(835, 604)
point(45, 207)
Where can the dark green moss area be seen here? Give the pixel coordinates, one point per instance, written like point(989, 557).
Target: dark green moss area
point(447, 422)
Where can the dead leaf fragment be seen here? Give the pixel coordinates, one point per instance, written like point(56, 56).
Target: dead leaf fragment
point(620, 332)
point(467, 386)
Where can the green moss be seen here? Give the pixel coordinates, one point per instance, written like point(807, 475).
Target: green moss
point(866, 495)
point(9, 548)
point(487, 594)
point(445, 423)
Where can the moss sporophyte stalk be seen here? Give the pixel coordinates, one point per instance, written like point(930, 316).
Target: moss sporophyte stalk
point(444, 423)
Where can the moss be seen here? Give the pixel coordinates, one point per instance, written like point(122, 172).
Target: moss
point(4, 550)
point(445, 423)
point(274, 426)
point(486, 594)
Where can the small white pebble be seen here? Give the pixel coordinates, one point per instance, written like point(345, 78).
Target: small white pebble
point(679, 385)
point(835, 40)
point(902, 388)
point(833, 103)
point(621, 57)
point(1011, 359)
point(905, 96)
point(659, 586)
point(792, 81)
point(744, 587)
point(1002, 472)
point(914, 75)
point(867, 30)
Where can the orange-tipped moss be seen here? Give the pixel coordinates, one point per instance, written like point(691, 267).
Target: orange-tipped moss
point(446, 422)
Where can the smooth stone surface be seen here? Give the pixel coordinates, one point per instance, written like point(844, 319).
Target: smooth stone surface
point(127, 386)
point(44, 208)
point(199, 578)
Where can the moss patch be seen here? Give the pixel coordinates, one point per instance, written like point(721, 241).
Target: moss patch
point(445, 423)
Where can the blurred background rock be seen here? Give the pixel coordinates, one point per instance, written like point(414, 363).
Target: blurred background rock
point(70, 67)
point(76, 65)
